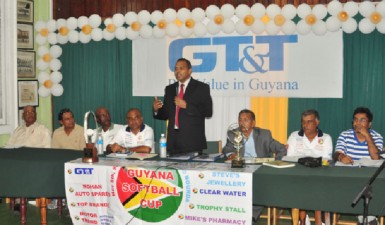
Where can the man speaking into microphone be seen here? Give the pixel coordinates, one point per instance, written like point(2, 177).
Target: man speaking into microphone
point(187, 103)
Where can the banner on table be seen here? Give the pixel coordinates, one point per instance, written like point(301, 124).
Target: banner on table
point(138, 194)
point(244, 65)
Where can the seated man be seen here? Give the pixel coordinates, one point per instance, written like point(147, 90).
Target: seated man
point(135, 137)
point(31, 133)
point(359, 142)
point(69, 135)
point(258, 143)
point(310, 141)
point(107, 128)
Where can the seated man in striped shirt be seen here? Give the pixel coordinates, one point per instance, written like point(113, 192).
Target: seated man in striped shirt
point(360, 141)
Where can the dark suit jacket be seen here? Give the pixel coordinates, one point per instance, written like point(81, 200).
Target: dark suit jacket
point(191, 133)
point(265, 145)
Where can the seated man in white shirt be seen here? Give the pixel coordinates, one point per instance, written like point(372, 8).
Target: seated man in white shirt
point(107, 129)
point(31, 133)
point(135, 137)
point(310, 142)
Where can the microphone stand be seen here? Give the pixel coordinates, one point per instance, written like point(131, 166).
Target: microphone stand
point(366, 193)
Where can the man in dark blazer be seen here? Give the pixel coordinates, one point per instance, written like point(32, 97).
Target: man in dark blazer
point(262, 145)
point(256, 142)
point(192, 100)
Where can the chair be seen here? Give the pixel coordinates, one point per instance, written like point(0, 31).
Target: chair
point(213, 147)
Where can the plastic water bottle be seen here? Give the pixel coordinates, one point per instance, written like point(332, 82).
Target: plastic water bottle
point(99, 144)
point(163, 146)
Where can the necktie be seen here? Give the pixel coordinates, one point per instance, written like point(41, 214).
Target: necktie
point(180, 95)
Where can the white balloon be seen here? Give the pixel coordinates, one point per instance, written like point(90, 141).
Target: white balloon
point(95, 20)
point(272, 10)
point(42, 50)
point(351, 8)
point(56, 77)
point(156, 16)
point(131, 17)
point(212, 11)
point(61, 23)
point(57, 90)
point(158, 33)
point(62, 39)
point(381, 26)
point(303, 28)
point(144, 17)
point(118, 19)
point(271, 28)
point(40, 40)
point(198, 14)
point(241, 27)
point(73, 36)
point(185, 32)
point(120, 33)
point(131, 34)
point(366, 8)
point(319, 28)
point(51, 25)
point(228, 26)
point(258, 27)
point(333, 24)
point(172, 30)
point(83, 38)
point(381, 8)
point(55, 65)
point(366, 26)
point(213, 28)
point(227, 10)
point(44, 92)
point(41, 65)
point(108, 36)
point(52, 38)
point(82, 21)
point(320, 11)
point(349, 26)
point(258, 10)
point(146, 31)
point(303, 10)
point(183, 14)
point(169, 15)
point(289, 27)
point(241, 11)
point(289, 11)
point(97, 34)
point(55, 51)
point(200, 30)
point(40, 25)
point(42, 77)
point(334, 7)
point(107, 21)
point(72, 23)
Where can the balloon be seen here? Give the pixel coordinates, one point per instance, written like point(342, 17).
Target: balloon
point(303, 28)
point(131, 34)
point(57, 90)
point(365, 26)
point(333, 24)
point(258, 27)
point(289, 11)
point(40, 40)
point(52, 39)
point(82, 21)
point(42, 77)
point(366, 8)
point(51, 25)
point(183, 14)
point(200, 30)
point(131, 17)
point(56, 77)
point(40, 25)
point(55, 51)
point(351, 8)
point(144, 17)
point(118, 19)
point(212, 11)
point(72, 23)
point(97, 34)
point(198, 14)
point(158, 33)
point(213, 28)
point(73, 36)
point(146, 31)
point(172, 30)
point(169, 15)
point(334, 7)
point(55, 65)
point(288, 27)
point(156, 16)
point(303, 10)
point(349, 26)
point(84, 38)
point(120, 33)
point(43, 91)
point(227, 10)
point(258, 10)
point(242, 10)
point(320, 11)
point(42, 50)
point(228, 26)
point(319, 28)
point(95, 20)
point(272, 10)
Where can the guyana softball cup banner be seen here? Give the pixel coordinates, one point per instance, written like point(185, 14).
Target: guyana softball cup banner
point(116, 191)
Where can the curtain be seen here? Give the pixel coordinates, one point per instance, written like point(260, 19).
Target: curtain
point(100, 74)
point(363, 80)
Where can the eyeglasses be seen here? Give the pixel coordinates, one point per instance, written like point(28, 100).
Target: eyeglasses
point(362, 120)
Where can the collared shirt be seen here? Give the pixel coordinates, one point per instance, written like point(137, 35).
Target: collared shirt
point(108, 136)
point(250, 146)
point(348, 144)
point(184, 91)
point(299, 145)
point(36, 135)
point(145, 137)
point(75, 140)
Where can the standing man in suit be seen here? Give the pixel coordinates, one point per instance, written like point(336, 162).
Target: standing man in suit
point(186, 105)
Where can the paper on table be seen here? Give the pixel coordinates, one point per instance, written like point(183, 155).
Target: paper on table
point(363, 162)
point(141, 156)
